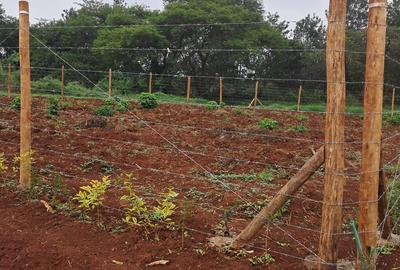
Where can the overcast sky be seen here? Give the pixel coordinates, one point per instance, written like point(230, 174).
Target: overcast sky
point(290, 10)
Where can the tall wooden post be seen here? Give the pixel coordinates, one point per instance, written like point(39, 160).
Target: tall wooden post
point(372, 130)
point(150, 82)
point(393, 101)
point(188, 90)
point(110, 82)
point(299, 97)
point(220, 90)
point(9, 81)
point(26, 110)
point(62, 82)
point(256, 93)
point(334, 136)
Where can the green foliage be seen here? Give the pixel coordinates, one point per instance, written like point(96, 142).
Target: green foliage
point(76, 89)
point(53, 106)
point(46, 84)
point(165, 208)
point(212, 105)
point(303, 117)
point(92, 196)
point(386, 249)
point(299, 128)
point(268, 124)
point(138, 214)
point(395, 119)
point(264, 259)
point(148, 101)
point(16, 103)
point(104, 111)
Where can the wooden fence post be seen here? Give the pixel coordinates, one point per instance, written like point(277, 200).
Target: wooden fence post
point(62, 82)
point(110, 83)
point(372, 130)
point(188, 90)
point(299, 97)
point(255, 101)
point(334, 180)
point(393, 101)
point(9, 81)
point(26, 110)
point(220, 90)
point(151, 83)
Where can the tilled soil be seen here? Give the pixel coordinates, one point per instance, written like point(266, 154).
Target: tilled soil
point(212, 158)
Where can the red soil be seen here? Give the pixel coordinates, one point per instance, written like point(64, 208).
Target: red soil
point(222, 142)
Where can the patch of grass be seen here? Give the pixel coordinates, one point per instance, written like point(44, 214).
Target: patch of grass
point(303, 117)
point(212, 105)
point(395, 119)
point(298, 128)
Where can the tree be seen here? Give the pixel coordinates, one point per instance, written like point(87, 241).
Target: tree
point(357, 14)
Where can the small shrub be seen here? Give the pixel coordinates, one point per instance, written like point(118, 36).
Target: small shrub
point(104, 111)
point(299, 128)
point(212, 105)
point(148, 101)
point(109, 101)
point(395, 119)
point(165, 208)
point(92, 196)
point(303, 118)
point(136, 212)
point(268, 124)
point(53, 106)
point(238, 111)
point(264, 259)
point(16, 103)
point(122, 106)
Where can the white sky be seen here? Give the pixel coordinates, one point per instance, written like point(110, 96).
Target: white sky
point(291, 10)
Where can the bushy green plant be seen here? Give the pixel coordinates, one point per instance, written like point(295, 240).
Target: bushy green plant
point(212, 105)
point(46, 84)
point(53, 106)
point(148, 101)
point(165, 208)
point(136, 212)
point(16, 103)
point(299, 128)
point(104, 111)
point(268, 124)
point(92, 196)
point(302, 117)
point(395, 119)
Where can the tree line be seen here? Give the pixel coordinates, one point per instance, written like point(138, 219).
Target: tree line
point(201, 38)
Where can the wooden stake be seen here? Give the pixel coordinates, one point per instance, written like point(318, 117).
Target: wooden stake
point(188, 90)
point(279, 200)
point(372, 130)
point(150, 82)
point(9, 81)
point(299, 98)
point(62, 82)
point(255, 100)
point(26, 110)
point(110, 82)
point(220, 91)
point(334, 136)
point(393, 101)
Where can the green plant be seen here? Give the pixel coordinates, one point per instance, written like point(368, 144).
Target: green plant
point(165, 208)
point(104, 111)
point(386, 249)
point(238, 111)
point(302, 117)
point(298, 128)
point(266, 177)
point(92, 196)
point(264, 259)
point(395, 119)
point(136, 212)
point(53, 106)
point(109, 101)
point(212, 105)
point(148, 101)
point(16, 103)
point(268, 124)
